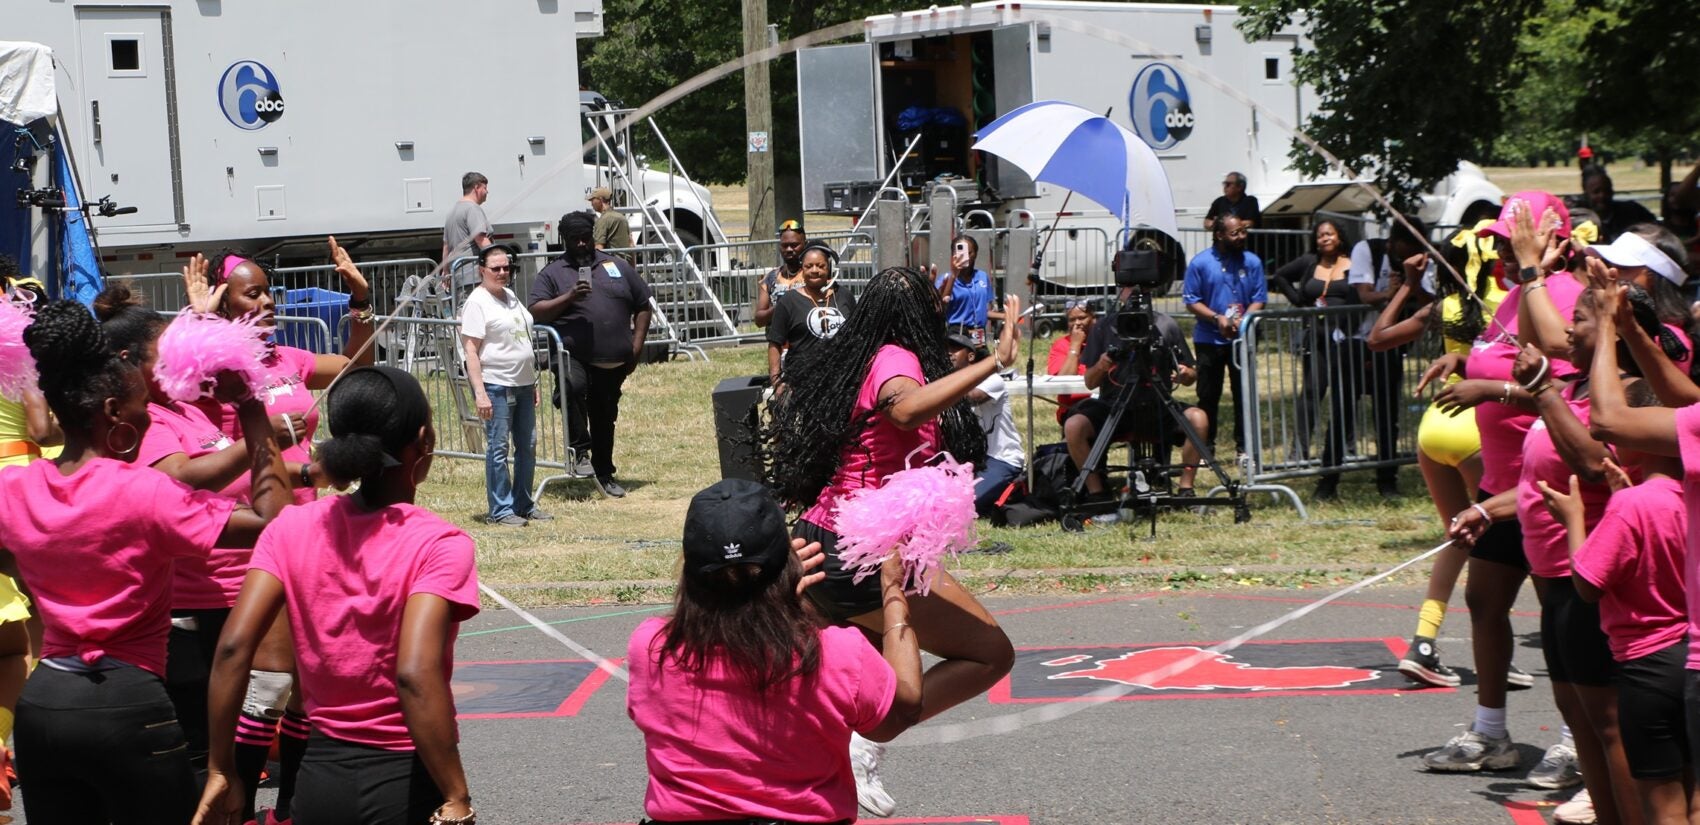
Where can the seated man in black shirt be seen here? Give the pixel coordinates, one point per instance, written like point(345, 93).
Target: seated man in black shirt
point(1234, 201)
point(809, 313)
point(1087, 418)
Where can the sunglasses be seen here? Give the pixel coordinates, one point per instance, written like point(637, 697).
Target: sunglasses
point(791, 226)
point(500, 268)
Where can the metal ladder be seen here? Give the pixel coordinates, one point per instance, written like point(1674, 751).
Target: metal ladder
point(685, 306)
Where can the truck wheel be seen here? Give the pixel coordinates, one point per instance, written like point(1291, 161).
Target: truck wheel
point(1043, 328)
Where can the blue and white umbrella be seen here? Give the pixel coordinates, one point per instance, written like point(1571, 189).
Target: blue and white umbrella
point(1077, 149)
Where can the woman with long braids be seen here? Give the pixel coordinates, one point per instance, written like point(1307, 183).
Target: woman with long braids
point(97, 737)
point(233, 287)
point(877, 398)
point(377, 648)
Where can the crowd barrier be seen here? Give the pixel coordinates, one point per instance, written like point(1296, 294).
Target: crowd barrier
point(388, 282)
point(1317, 401)
point(734, 270)
point(432, 354)
point(680, 309)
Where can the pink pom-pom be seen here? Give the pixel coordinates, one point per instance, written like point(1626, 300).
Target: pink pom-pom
point(195, 348)
point(17, 366)
point(923, 513)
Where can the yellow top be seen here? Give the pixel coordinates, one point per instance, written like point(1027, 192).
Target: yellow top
point(1452, 311)
point(15, 427)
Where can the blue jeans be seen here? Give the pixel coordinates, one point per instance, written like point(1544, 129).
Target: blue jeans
point(990, 483)
point(515, 410)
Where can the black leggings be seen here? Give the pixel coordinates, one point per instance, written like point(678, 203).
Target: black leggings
point(343, 783)
point(102, 747)
point(188, 668)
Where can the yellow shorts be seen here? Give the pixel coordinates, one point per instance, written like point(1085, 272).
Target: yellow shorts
point(14, 605)
point(1448, 439)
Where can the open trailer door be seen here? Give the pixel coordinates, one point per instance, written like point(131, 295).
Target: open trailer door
point(838, 122)
point(1012, 88)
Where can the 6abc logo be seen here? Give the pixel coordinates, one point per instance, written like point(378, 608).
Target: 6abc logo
point(249, 96)
point(1160, 106)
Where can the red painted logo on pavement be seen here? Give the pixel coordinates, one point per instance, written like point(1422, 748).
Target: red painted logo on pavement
point(1194, 668)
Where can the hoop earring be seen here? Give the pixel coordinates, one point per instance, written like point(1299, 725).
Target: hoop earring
point(135, 439)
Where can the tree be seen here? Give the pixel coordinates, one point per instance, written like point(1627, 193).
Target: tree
point(1643, 85)
point(1407, 88)
point(652, 45)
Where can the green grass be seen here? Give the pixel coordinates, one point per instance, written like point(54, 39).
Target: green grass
point(600, 550)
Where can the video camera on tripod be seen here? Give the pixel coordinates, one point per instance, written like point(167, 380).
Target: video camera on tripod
point(1146, 361)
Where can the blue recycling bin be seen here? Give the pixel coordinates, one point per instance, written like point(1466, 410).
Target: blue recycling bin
point(312, 302)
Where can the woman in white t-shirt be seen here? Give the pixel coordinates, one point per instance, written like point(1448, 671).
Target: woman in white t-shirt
point(495, 328)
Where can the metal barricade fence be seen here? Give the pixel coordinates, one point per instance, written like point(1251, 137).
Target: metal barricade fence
point(1317, 401)
point(734, 269)
point(434, 356)
point(656, 264)
point(387, 280)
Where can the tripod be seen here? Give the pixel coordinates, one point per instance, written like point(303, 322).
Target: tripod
point(1146, 391)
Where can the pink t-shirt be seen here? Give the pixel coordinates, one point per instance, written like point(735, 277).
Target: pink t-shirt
point(716, 750)
point(96, 548)
point(1503, 427)
point(347, 573)
point(883, 448)
point(1688, 440)
point(286, 392)
point(198, 583)
point(1636, 555)
point(1545, 542)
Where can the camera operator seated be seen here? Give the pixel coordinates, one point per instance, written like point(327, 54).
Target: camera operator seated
point(1104, 351)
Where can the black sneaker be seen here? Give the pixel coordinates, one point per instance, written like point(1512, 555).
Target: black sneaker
point(610, 487)
point(1422, 664)
point(1517, 678)
point(1327, 489)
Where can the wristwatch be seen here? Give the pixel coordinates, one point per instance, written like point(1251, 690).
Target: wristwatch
point(1527, 274)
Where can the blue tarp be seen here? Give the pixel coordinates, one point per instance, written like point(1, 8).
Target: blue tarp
point(72, 269)
point(77, 274)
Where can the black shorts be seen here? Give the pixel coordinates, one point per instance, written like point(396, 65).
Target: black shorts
point(1651, 712)
point(1502, 543)
point(1577, 650)
point(1135, 423)
point(344, 783)
point(839, 598)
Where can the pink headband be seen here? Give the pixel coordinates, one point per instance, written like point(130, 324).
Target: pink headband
point(231, 262)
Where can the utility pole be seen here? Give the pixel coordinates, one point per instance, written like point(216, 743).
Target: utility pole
point(758, 122)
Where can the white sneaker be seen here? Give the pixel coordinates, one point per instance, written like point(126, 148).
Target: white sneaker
point(1578, 811)
point(1557, 769)
point(865, 763)
point(1471, 751)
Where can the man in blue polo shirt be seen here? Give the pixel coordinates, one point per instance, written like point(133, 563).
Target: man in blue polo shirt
point(1223, 284)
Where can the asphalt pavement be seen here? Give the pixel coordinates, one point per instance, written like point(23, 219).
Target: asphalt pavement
point(1307, 724)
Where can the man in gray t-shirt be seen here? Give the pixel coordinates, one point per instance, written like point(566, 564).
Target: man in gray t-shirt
point(467, 229)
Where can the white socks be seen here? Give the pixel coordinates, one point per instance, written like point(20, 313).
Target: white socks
point(1490, 722)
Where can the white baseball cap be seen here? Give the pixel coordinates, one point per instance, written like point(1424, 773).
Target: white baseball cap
point(1631, 249)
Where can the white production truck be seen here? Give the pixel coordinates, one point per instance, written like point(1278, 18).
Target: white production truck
point(266, 126)
point(944, 72)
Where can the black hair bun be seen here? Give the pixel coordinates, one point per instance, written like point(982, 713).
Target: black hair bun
point(66, 340)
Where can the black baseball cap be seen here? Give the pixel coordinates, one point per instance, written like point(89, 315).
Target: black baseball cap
point(736, 521)
point(963, 341)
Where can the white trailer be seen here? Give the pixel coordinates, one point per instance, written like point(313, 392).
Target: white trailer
point(984, 60)
point(265, 126)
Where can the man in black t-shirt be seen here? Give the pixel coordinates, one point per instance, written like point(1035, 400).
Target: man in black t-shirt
point(600, 306)
point(1087, 418)
point(1234, 201)
point(1615, 215)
